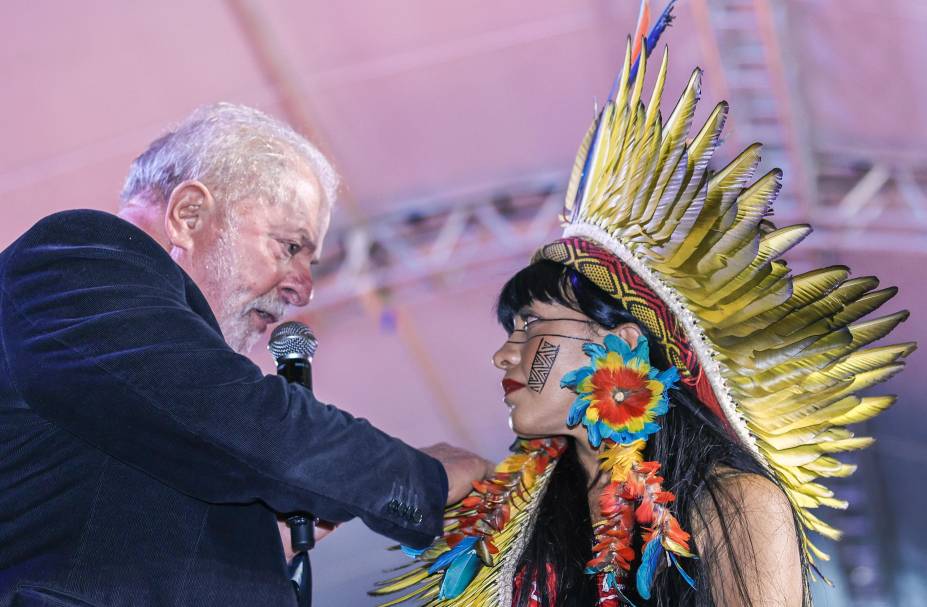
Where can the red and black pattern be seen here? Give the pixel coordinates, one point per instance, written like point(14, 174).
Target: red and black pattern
point(613, 276)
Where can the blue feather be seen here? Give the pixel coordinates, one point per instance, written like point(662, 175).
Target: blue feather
point(616, 344)
point(682, 571)
point(581, 186)
point(459, 575)
point(648, 567)
point(661, 24)
point(594, 350)
point(650, 43)
point(412, 552)
point(446, 558)
point(653, 37)
point(577, 411)
point(595, 438)
point(572, 379)
point(669, 377)
point(641, 350)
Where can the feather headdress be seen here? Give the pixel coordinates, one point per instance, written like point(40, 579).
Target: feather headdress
point(690, 253)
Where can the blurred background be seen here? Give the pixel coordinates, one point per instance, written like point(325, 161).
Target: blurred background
point(454, 126)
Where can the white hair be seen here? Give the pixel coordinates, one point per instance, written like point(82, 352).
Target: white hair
point(238, 152)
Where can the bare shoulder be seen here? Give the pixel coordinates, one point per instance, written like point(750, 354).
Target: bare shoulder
point(753, 509)
point(746, 527)
point(755, 493)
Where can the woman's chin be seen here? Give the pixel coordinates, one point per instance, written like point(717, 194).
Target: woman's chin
point(528, 429)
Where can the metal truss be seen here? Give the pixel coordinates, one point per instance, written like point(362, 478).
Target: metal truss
point(400, 251)
point(877, 198)
point(866, 205)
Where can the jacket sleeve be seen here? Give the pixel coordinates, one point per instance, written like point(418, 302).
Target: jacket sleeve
point(100, 340)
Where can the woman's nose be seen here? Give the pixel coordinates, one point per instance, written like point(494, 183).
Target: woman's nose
point(507, 356)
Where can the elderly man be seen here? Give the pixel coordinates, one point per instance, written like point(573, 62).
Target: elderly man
point(142, 457)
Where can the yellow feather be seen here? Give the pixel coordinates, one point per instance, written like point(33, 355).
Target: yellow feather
point(868, 406)
point(579, 163)
point(751, 206)
point(653, 108)
point(621, 100)
point(723, 189)
point(790, 348)
point(830, 467)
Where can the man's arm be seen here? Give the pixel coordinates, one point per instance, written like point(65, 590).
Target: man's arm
point(99, 339)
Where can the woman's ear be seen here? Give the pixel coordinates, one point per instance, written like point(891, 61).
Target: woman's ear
point(629, 332)
point(187, 209)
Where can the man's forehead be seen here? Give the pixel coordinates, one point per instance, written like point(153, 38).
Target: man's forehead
point(307, 222)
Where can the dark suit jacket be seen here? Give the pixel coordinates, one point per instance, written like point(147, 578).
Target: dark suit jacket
point(141, 459)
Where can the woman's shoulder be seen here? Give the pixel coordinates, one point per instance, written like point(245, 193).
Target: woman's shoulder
point(745, 525)
point(749, 489)
point(750, 505)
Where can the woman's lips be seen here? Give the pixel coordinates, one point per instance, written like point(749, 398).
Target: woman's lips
point(510, 385)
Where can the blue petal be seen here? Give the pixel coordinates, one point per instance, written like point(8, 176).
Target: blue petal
point(623, 437)
point(682, 571)
point(650, 428)
point(572, 379)
point(594, 351)
point(616, 344)
point(669, 377)
point(642, 349)
point(577, 411)
point(595, 439)
point(459, 575)
point(445, 559)
point(661, 407)
point(648, 567)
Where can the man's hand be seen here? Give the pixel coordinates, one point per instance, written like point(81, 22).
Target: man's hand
point(461, 467)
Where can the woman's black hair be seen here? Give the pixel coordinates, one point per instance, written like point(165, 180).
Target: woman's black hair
point(695, 451)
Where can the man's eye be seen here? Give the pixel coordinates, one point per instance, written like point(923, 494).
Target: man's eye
point(293, 248)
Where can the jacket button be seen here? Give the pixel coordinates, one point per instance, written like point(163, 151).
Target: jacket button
point(393, 505)
point(417, 516)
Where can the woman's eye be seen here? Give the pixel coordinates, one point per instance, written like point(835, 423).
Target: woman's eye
point(530, 320)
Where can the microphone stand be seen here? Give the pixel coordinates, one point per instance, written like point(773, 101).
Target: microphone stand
point(293, 346)
point(302, 539)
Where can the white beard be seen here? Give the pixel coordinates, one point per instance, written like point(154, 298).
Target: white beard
point(233, 313)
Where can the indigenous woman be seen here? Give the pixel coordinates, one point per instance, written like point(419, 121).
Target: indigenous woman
point(676, 390)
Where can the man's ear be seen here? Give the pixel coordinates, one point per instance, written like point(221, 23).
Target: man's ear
point(188, 208)
point(629, 332)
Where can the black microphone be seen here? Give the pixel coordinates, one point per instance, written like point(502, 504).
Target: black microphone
point(293, 346)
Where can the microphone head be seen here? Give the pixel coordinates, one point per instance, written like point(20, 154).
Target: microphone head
point(292, 340)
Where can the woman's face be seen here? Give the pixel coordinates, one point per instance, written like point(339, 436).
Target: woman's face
point(545, 344)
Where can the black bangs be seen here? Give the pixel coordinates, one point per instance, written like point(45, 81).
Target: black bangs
point(550, 282)
point(545, 281)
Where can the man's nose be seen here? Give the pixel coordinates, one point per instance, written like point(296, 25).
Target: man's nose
point(296, 288)
point(507, 356)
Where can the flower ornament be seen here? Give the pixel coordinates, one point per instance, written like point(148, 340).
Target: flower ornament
point(619, 395)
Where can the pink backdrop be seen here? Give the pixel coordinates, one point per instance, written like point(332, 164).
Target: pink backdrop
point(419, 101)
